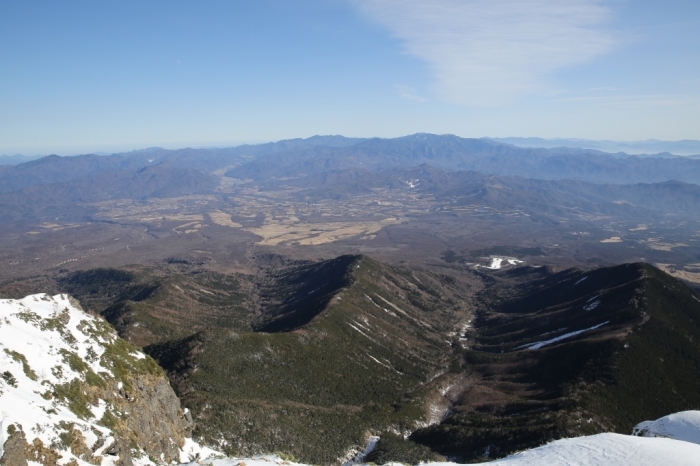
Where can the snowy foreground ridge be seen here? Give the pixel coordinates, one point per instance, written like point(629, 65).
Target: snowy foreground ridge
point(594, 450)
point(673, 440)
point(62, 389)
point(63, 399)
point(606, 450)
point(680, 426)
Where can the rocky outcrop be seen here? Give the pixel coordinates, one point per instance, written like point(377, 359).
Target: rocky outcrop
point(14, 450)
point(82, 393)
point(155, 418)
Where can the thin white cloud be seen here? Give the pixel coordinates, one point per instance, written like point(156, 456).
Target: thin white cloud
point(489, 52)
point(409, 93)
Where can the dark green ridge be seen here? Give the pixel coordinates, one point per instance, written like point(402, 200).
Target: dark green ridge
point(155, 304)
point(358, 365)
point(643, 364)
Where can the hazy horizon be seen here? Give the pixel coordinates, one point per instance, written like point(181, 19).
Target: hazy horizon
point(633, 147)
point(84, 77)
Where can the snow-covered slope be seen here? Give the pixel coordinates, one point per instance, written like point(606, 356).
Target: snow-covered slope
point(605, 450)
point(672, 440)
point(594, 450)
point(679, 426)
point(72, 392)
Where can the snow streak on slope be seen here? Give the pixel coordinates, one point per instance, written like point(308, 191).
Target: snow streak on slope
point(71, 386)
point(540, 344)
point(679, 426)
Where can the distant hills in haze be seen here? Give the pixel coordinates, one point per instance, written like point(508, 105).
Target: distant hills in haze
point(336, 167)
point(17, 159)
point(648, 147)
point(453, 153)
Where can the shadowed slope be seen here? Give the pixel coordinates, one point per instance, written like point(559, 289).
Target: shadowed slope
point(362, 362)
point(572, 354)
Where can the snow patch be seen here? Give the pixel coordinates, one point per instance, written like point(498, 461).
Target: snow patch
point(683, 426)
point(363, 333)
point(594, 450)
point(192, 451)
point(378, 361)
point(369, 447)
point(540, 344)
point(604, 450)
point(591, 306)
point(260, 460)
point(497, 262)
point(582, 280)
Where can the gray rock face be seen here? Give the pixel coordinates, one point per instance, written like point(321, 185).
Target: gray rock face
point(121, 449)
point(15, 448)
point(156, 418)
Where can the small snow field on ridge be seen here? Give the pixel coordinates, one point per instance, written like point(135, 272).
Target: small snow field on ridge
point(604, 450)
point(678, 426)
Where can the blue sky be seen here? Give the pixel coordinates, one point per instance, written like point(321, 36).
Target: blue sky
point(106, 76)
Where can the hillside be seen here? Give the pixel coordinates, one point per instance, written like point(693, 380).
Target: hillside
point(571, 354)
point(311, 358)
point(49, 199)
point(74, 392)
point(359, 358)
point(153, 304)
point(555, 198)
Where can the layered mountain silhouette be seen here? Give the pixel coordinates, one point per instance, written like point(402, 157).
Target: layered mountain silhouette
point(482, 155)
point(334, 166)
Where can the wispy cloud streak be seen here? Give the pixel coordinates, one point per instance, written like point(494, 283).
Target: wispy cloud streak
point(489, 52)
point(408, 93)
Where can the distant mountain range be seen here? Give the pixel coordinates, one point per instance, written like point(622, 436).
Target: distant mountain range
point(453, 153)
point(17, 159)
point(650, 146)
point(337, 167)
